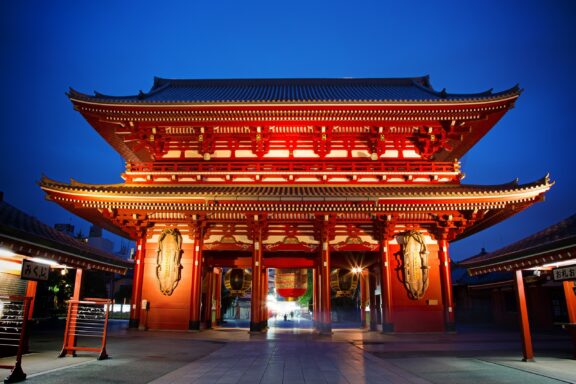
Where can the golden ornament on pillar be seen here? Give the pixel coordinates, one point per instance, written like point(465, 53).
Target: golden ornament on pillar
point(344, 282)
point(168, 266)
point(291, 283)
point(237, 281)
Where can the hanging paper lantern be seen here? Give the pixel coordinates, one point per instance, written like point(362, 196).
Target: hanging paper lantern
point(344, 282)
point(291, 283)
point(237, 281)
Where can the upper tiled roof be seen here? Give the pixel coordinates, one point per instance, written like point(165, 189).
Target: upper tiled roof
point(19, 226)
point(558, 235)
point(300, 191)
point(415, 89)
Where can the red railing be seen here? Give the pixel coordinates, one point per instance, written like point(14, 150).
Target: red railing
point(86, 327)
point(315, 168)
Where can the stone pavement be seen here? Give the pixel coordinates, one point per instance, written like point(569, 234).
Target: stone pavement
point(299, 356)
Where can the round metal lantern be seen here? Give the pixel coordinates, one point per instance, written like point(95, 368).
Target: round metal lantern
point(238, 281)
point(291, 283)
point(344, 282)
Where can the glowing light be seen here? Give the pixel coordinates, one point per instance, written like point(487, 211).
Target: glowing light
point(44, 261)
point(356, 270)
point(6, 252)
point(11, 267)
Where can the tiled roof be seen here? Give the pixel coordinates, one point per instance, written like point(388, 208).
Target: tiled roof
point(288, 191)
point(461, 277)
point(19, 226)
point(416, 89)
point(559, 235)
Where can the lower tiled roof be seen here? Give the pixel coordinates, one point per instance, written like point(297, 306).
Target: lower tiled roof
point(18, 226)
point(559, 235)
point(287, 191)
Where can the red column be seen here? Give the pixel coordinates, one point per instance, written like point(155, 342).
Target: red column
point(570, 300)
point(446, 284)
point(527, 351)
point(325, 292)
point(386, 289)
point(31, 292)
point(255, 305)
point(218, 294)
point(196, 285)
point(137, 281)
point(72, 311)
point(570, 296)
point(78, 284)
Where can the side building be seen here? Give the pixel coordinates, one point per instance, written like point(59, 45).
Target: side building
point(354, 174)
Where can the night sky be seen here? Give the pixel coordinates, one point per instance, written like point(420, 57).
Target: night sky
point(117, 47)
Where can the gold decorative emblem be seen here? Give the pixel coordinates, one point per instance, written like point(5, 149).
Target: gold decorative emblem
point(415, 260)
point(168, 265)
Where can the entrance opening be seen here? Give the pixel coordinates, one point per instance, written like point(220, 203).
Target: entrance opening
point(289, 299)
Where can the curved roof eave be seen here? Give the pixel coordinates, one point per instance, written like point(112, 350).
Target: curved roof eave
point(427, 94)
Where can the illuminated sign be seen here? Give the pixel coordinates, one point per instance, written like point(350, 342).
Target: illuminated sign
point(34, 271)
point(566, 273)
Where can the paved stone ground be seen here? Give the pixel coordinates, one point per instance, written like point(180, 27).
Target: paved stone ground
point(299, 356)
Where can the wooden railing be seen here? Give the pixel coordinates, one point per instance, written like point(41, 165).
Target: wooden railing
point(139, 171)
point(86, 327)
point(13, 319)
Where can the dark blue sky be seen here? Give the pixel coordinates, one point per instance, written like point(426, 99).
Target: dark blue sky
point(116, 47)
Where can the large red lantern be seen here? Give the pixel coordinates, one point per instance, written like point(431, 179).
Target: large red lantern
point(291, 283)
point(344, 282)
point(237, 281)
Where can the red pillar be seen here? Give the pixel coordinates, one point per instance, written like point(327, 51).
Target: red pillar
point(137, 281)
point(255, 305)
point(386, 289)
point(78, 281)
point(527, 351)
point(218, 294)
point(78, 284)
point(196, 285)
point(570, 296)
point(446, 284)
point(325, 291)
point(31, 292)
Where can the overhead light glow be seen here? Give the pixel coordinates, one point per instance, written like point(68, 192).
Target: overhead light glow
point(6, 252)
point(10, 267)
point(44, 261)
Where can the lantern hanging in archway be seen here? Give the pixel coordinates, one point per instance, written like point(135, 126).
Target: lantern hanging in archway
point(238, 281)
point(344, 282)
point(291, 283)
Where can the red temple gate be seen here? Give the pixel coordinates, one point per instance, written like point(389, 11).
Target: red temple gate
point(294, 173)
